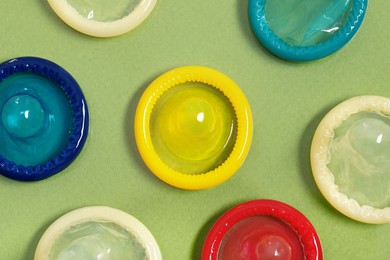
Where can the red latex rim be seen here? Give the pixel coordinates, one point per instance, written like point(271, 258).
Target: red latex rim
point(308, 236)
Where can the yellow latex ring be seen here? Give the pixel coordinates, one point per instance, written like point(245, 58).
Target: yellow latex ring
point(243, 134)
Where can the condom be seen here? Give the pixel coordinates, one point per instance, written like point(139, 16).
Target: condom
point(350, 158)
point(193, 127)
point(44, 119)
point(262, 229)
point(97, 233)
point(303, 30)
point(102, 18)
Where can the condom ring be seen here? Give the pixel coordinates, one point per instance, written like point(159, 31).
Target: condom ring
point(193, 127)
point(97, 233)
point(262, 229)
point(103, 18)
point(350, 158)
point(305, 30)
point(44, 119)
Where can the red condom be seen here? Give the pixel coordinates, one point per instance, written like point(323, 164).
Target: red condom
point(262, 229)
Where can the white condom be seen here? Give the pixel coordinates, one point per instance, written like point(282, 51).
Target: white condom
point(103, 18)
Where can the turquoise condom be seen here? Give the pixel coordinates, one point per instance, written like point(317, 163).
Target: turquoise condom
point(303, 30)
point(44, 119)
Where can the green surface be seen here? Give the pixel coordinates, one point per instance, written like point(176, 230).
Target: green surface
point(288, 100)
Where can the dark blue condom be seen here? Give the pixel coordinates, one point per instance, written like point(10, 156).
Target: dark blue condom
point(44, 119)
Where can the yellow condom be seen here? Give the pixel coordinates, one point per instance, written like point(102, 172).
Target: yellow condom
point(193, 127)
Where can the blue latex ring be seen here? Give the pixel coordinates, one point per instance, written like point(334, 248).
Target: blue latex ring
point(80, 118)
point(256, 11)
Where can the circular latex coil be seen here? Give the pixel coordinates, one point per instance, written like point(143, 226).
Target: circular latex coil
point(238, 102)
point(100, 214)
point(279, 47)
point(54, 78)
point(229, 224)
point(320, 152)
point(100, 28)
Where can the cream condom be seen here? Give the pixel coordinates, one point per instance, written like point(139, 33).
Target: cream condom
point(356, 180)
point(103, 18)
point(101, 232)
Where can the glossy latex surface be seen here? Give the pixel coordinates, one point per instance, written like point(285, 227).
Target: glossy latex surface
point(193, 128)
point(306, 22)
point(349, 158)
point(262, 229)
point(23, 116)
point(97, 241)
point(103, 10)
point(305, 30)
point(35, 119)
point(359, 158)
point(102, 18)
point(97, 233)
point(261, 237)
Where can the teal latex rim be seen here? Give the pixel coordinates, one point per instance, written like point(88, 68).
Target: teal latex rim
point(274, 44)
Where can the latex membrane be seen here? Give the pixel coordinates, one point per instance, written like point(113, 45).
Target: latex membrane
point(103, 10)
point(359, 158)
point(193, 127)
point(261, 237)
point(36, 119)
point(96, 240)
point(306, 22)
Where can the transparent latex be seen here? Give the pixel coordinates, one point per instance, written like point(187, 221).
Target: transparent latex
point(306, 22)
point(193, 128)
point(104, 10)
point(360, 158)
point(97, 241)
point(261, 237)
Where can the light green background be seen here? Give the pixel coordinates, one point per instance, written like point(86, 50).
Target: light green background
point(287, 99)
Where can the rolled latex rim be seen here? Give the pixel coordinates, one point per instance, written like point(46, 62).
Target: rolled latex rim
point(319, 156)
point(98, 28)
point(244, 127)
point(306, 232)
point(80, 123)
point(97, 213)
point(281, 49)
